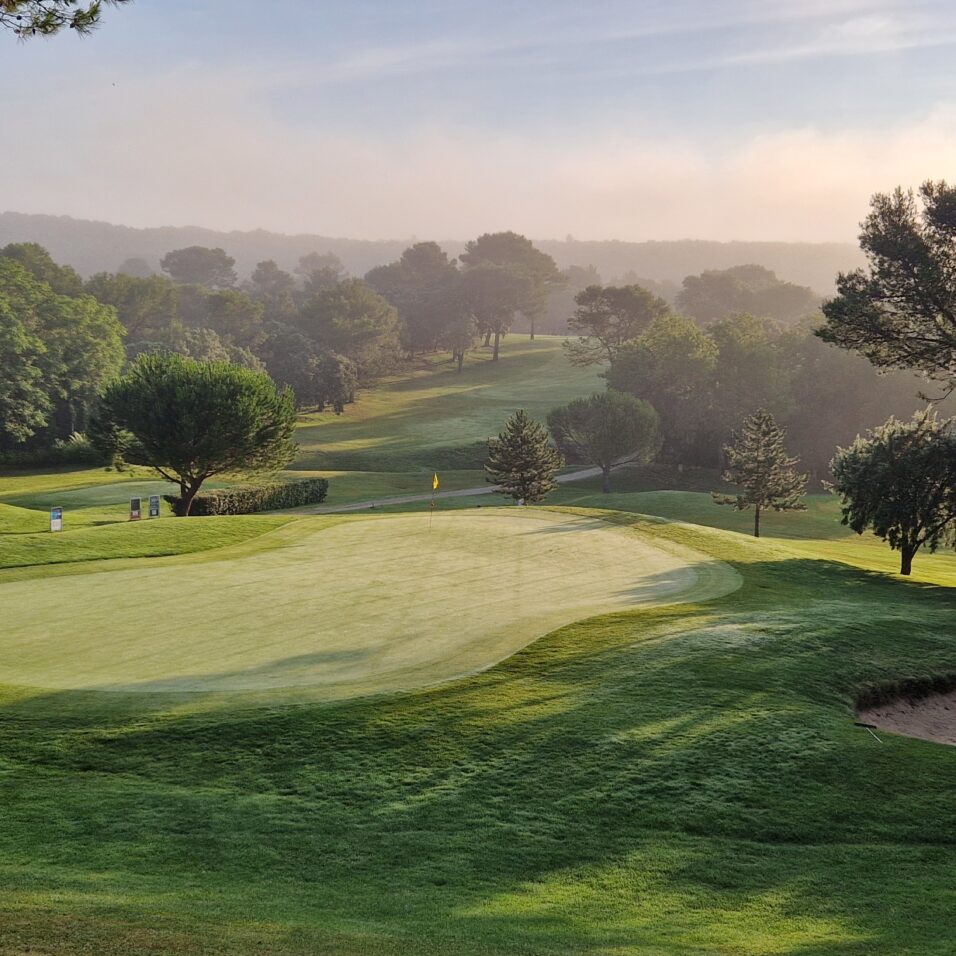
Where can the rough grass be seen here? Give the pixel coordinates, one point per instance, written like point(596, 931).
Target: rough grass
point(118, 541)
point(668, 780)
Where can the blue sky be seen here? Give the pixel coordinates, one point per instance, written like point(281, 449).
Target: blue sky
point(646, 119)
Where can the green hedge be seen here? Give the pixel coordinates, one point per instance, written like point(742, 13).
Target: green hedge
point(252, 498)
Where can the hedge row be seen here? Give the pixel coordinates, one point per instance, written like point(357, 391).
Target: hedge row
point(250, 499)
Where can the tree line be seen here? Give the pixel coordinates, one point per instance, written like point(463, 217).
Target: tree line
point(316, 330)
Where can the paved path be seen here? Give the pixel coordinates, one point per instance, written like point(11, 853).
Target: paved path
point(408, 499)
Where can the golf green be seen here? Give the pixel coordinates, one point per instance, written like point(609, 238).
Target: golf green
point(346, 607)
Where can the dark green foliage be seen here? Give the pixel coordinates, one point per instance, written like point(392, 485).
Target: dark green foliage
point(254, 498)
point(492, 294)
point(24, 401)
point(317, 378)
point(522, 461)
point(59, 350)
point(606, 429)
point(425, 288)
point(751, 371)
point(191, 420)
point(716, 294)
point(901, 311)
point(75, 450)
point(672, 365)
point(29, 18)
point(517, 253)
point(147, 307)
point(319, 271)
point(900, 482)
point(353, 320)
point(200, 265)
point(758, 464)
point(63, 280)
point(275, 290)
point(607, 317)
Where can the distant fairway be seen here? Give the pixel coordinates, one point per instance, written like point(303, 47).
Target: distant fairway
point(347, 607)
point(438, 418)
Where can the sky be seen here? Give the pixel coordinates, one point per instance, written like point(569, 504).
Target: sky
point(637, 120)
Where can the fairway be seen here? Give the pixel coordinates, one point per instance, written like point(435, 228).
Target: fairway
point(350, 606)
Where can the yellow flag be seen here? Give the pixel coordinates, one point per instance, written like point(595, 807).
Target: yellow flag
point(435, 482)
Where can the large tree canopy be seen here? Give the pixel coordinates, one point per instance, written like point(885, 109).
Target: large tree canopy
point(81, 347)
point(201, 266)
point(900, 481)
point(28, 18)
point(425, 287)
point(191, 420)
point(607, 429)
point(352, 319)
point(718, 293)
point(608, 316)
point(493, 294)
point(513, 251)
point(900, 312)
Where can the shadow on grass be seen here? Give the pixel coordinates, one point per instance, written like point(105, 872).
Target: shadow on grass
point(676, 779)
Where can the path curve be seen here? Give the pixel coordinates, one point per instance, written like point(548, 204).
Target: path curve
point(439, 495)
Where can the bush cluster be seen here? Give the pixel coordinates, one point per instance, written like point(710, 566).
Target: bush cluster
point(74, 451)
point(244, 500)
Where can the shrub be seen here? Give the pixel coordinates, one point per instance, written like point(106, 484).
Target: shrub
point(248, 499)
point(75, 450)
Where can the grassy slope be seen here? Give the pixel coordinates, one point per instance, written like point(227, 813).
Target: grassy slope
point(440, 419)
point(671, 781)
point(674, 781)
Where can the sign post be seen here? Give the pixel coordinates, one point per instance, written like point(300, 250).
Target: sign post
point(135, 509)
point(154, 506)
point(56, 519)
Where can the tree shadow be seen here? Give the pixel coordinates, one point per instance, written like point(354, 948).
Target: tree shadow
point(670, 780)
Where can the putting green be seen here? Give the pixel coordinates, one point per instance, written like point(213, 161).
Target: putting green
point(348, 607)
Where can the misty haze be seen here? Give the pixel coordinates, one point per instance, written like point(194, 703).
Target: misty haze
point(477, 480)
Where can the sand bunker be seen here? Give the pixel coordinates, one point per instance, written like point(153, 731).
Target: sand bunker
point(927, 718)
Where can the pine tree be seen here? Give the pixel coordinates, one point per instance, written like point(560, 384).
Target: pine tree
point(758, 463)
point(522, 461)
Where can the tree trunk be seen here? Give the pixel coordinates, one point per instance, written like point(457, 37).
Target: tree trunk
point(532, 328)
point(757, 521)
point(906, 560)
point(494, 355)
point(606, 478)
point(186, 494)
point(461, 358)
point(488, 338)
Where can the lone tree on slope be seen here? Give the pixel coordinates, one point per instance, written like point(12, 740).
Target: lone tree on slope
point(900, 481)
point(522, 460)
point(759, 464)
point(607, 429)
point(191, 420)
